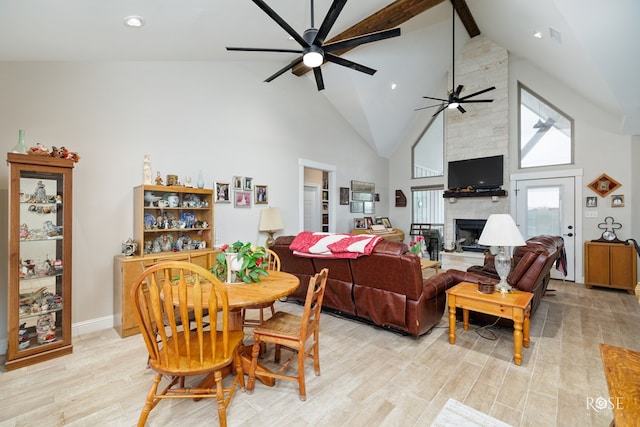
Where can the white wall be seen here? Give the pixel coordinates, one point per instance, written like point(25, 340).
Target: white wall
point(188, 116)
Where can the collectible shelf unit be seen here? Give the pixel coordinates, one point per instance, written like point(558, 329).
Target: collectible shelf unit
point(171, 223)
point(39, 294)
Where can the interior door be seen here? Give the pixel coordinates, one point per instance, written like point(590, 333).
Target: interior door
point(311, 208)
point(547, 206)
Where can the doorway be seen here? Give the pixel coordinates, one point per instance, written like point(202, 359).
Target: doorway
point(311, 208)
point(326, 206)
point(547, 205)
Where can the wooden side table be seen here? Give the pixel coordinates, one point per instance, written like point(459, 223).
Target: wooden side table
point(622, 369)
point(427, 263)
point(515, 306)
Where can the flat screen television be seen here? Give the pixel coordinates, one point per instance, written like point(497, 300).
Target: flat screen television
point(484, 173)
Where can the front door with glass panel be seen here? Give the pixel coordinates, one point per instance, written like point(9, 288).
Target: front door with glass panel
point(546, 206)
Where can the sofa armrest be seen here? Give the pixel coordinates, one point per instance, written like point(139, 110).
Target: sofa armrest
point(447, 279)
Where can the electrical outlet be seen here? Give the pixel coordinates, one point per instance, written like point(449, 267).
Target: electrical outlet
point(591, 214)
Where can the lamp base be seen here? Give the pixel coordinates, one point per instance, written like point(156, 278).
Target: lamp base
point(504, 288)
point(502, 262)
point(270, 239)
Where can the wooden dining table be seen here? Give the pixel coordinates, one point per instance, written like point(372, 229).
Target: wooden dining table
point(277, 284)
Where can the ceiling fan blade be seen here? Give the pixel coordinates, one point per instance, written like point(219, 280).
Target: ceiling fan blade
point(329, 20)
point(319, 80)
point(478, 92)
point(284, 69)
point(436, 99)
point(283, 24)
point(462, 110)
point(456, 94)
point(467, 101)
point(259, 49)
point(429, 106)
point(440, 109)
point(349, 64)
point(357, 41)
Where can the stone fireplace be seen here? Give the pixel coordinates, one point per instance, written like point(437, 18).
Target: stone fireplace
point(469, 230)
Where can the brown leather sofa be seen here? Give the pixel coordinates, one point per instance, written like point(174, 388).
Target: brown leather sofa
point(385, 288)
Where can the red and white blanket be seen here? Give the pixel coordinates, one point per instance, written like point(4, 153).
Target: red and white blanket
point(331, 245)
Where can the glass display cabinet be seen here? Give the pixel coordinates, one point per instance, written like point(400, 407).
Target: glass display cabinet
point(39, 291)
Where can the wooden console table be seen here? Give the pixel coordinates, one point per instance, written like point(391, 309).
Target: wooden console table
point(515, 306)
point(622, 369)
point(396, 235)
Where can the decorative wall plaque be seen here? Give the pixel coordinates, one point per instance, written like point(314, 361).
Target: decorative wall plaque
point(604, 185)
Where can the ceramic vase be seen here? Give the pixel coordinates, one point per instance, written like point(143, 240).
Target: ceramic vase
point(200, 182)
point(233, 265)
point(20, 147)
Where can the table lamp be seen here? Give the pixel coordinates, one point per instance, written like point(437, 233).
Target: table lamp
point(501, 231)
point(270, 222)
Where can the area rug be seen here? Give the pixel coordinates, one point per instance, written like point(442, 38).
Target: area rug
point(457, 414)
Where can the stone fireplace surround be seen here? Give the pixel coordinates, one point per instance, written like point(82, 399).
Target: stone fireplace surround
point(482, 131)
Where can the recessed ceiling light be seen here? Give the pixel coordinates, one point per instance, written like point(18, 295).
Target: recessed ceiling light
point(537, 34)
point(393, 86)
point(134, 21)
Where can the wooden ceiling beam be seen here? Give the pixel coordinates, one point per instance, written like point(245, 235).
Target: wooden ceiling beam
point(466, 17)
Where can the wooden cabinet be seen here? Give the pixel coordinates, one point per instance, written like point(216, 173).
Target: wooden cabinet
point(168, 219)
point(127, 269)
point(611, 265)
point(39, 291)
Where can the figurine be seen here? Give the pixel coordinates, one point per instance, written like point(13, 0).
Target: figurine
point(158, 179)
point(41, 193)
point(24, 231)
point(148, 174)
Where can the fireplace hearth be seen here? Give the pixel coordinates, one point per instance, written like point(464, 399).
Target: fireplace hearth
point(470, 230)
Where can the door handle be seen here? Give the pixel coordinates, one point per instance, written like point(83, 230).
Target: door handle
point(568, 234)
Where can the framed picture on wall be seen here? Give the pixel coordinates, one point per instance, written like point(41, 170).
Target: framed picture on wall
point(248, 184)
point(592, 202)
point(222, 192)
point(237, 182)
point(242, 199)
point(617, 201)
point(356, 207)
point(262, 196)
point(369, 207)
point(344, 195)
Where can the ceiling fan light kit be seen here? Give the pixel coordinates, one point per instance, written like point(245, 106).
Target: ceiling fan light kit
point(314, 52)
point(455, 100)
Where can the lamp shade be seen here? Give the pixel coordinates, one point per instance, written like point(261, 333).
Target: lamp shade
point(501, 230)
point(270, 220)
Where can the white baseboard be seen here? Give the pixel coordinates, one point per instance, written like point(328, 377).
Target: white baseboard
point(79, 328)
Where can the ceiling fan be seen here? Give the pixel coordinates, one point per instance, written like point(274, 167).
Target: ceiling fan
point(455, 100)
point(314, 52)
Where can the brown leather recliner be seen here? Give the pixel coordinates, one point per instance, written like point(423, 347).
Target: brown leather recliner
point(530, 266)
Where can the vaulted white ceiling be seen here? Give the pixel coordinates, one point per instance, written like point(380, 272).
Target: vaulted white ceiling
point(597, 57)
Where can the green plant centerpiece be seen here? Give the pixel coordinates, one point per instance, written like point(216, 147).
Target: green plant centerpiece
point(248, 267)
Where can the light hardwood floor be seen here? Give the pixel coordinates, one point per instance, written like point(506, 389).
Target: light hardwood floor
point(369, 376)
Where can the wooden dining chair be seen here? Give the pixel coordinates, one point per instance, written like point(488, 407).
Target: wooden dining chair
point(273, 264)
point(292, 332)
point(164, 297)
